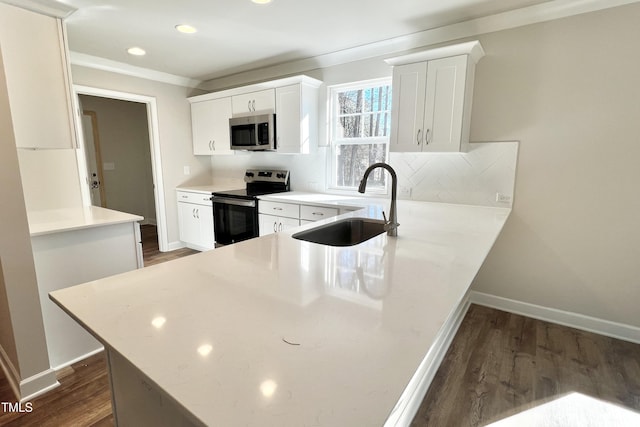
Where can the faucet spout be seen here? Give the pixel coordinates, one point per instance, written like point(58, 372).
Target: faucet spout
point(392, 225)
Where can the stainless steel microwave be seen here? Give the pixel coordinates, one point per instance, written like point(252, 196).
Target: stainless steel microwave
point(256, 132)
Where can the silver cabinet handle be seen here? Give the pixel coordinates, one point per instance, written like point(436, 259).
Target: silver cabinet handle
point(275, 226)
point(280, 227)
point(317, 213)
point(213, 145)
point(249, 105)
point(426, 138)
point(277, 209)
point(418, 136)
point(184, 197)
point(253, 103)
point(193, 212)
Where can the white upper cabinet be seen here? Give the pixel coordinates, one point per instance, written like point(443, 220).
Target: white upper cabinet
point(260, 101)
point(432, 94)
point(210, 126)
point(296, 118)
point(294, 100)
point(37, 76)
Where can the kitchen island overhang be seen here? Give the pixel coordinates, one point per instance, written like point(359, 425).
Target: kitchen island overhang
point(278, 331)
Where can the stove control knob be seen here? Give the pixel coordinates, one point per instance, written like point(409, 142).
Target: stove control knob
point(249, 174)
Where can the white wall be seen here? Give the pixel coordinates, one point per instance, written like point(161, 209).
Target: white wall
point(174, 118)
point(568, 90)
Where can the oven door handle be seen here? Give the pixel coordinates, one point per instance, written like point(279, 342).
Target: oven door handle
point(236, 202)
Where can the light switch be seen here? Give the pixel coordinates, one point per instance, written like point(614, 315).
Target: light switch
point(108, 166)
point(187, 170)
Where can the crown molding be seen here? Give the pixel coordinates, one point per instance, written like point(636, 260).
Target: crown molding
point(89, 61)
point(45, 7)
point(539, 13)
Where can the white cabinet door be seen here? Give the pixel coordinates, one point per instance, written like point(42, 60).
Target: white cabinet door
point(210, 126)
point(296, 118)
point(35, 64)
point(260, 101)
point(407, 110)
point(269, 224)
point(188, 222)
point(288, 119)
point(195, 220)
point(429, 105)
point(444, 107)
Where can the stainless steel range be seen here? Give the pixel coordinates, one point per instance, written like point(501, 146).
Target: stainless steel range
point(235, 212)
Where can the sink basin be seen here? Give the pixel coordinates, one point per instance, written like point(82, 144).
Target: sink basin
point(346, 232)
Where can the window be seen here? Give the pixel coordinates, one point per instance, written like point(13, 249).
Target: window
point(360, 123)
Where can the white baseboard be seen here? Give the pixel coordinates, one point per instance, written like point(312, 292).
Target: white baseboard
point(28, 388)
point(566, 318)
point(78, 359)
point(175, 245)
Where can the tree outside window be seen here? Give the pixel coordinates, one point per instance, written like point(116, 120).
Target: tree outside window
point(360, 129)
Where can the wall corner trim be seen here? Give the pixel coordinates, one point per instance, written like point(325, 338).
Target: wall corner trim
point(573, 320)
point(27, 389)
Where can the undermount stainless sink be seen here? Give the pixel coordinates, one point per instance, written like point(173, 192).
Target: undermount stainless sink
point(346, 232)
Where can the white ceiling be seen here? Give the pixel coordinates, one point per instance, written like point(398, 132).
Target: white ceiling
point(238, 35)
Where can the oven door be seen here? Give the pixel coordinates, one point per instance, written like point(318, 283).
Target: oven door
point(234, 220)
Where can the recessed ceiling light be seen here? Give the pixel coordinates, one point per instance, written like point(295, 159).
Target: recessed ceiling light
point(261, 1)
point(137, 51)
point(185, 28)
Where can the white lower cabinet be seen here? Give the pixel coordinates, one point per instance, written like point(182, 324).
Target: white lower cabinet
point(276, 216)
point(270, 224)
point(195, 220)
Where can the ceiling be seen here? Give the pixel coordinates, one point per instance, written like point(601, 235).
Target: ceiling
point(238, 35)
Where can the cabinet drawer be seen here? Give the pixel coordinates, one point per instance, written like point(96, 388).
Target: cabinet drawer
point(197, 198)
point(315, 213)
point(280, 209)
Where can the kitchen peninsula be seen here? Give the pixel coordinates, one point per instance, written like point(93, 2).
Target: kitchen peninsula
point(276, 331)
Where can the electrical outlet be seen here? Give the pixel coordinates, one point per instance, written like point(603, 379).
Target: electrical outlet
point(404, 192)
point(503, 198)
point(187, 170)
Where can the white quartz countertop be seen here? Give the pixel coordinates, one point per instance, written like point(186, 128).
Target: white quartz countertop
point(276, 331)
point(68, 219)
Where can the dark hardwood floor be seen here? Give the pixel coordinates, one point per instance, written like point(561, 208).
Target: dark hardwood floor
point(502, 364)
point(498, 365)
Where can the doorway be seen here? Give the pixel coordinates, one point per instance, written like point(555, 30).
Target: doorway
point(119, 156)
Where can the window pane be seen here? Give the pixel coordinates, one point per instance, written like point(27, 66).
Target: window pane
point(350, 102)
point(377, 99)
point(353, 160)
point(377, 125)
point(349, 127)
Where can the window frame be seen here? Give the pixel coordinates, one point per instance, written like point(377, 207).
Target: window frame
point(334, 143)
